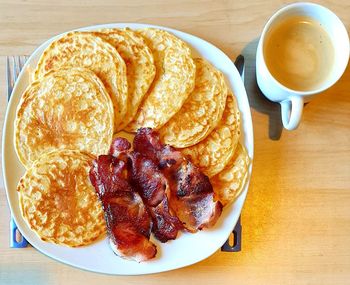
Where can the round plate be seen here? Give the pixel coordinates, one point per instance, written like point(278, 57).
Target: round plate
point(187, 248)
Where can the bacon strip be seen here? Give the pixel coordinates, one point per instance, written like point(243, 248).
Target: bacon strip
point(192, 197)
point(128, 221)
point(154, 190)
point(191, 194)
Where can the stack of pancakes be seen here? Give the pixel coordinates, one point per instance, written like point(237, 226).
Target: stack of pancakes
point(87, 87)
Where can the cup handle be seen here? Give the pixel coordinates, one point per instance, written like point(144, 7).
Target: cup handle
point(291, 112)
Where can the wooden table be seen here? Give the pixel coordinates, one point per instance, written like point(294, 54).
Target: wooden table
point(296, 219)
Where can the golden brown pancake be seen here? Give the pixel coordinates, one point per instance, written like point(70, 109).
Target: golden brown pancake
point(58, 201)
point(83, 49)
point(202, 110)
point(140, 68)
point(68, 108)
point(229, 183)
point(174, 80)
point(213, 153)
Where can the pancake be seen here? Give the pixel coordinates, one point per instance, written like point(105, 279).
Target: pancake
point(67, 108)
point(81, 49)
point(202, 110)
point(229, 183)
point(174, 80)
point(140, 68)
point(58, 201)
point(213, 153)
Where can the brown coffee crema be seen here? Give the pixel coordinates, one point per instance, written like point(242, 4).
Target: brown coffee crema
point(299, 53)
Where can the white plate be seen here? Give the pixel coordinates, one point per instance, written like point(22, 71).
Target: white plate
point(187, 248)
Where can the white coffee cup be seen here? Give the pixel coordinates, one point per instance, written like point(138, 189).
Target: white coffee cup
point(292, 101)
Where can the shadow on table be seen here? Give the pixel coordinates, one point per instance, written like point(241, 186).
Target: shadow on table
point(256, 98)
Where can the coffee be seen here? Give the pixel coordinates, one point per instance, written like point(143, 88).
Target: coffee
point(299, 53)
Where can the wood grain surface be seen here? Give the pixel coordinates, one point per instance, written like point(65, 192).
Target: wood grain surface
point(296, 219)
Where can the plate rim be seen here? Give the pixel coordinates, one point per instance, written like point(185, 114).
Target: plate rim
point(247, 115)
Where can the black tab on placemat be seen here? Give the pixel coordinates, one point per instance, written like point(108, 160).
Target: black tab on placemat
point(237, 239)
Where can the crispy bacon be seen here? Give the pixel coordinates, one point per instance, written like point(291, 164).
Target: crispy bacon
point(191, 194)
point(118, 146)
point(148, 180)
point(147, 143)
point(128, 221)
point(154, 190)
point(192, 197)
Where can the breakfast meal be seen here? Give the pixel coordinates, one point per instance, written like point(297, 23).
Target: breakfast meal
point(176, 172)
